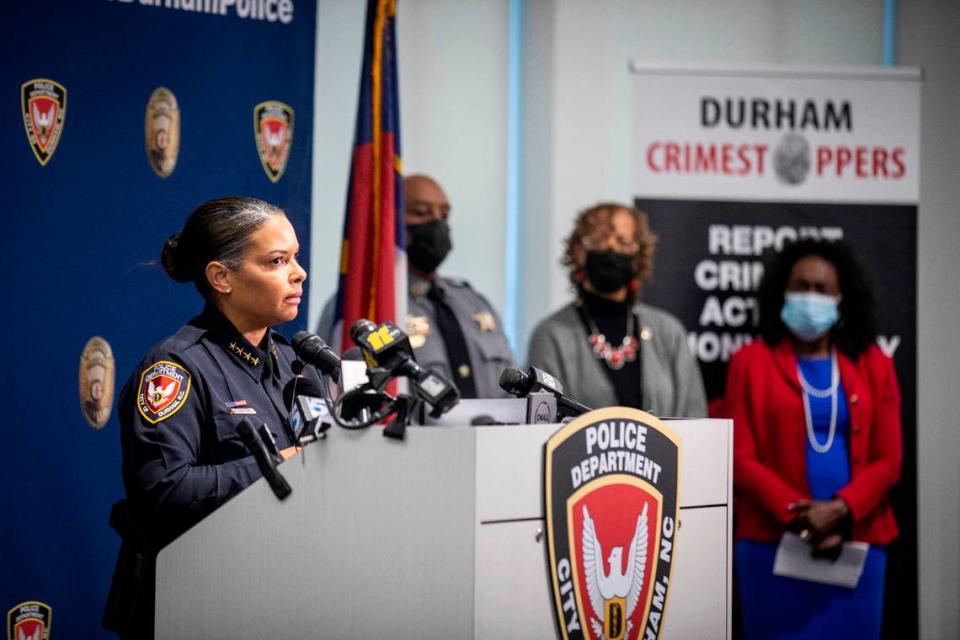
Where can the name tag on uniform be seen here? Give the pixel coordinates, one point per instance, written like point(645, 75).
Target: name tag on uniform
point(239, 408)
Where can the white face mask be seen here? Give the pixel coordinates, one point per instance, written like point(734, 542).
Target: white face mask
point(809, 315)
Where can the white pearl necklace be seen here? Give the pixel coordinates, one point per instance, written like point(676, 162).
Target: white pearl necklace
point(829, 392)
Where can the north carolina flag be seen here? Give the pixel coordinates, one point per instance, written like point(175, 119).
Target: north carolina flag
point(373, 261)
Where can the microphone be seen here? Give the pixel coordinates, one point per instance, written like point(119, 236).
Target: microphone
point(308, 410)
point(312, 350)
point(387, 347)
point(520, 384)
point(265, 461)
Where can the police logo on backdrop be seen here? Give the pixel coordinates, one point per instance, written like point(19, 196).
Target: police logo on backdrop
point(43, 104)
point(611, 495)
point(96, 382)
point(273, 130)
point(162, 131)
point(29, 620)
point(164, 387)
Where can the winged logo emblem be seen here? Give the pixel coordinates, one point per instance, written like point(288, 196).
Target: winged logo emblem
point(164, 387)
point(612, 591)
point(273, 133)
point(32, 636)
point(158, 394)
point(44, 105)
point(43, 119)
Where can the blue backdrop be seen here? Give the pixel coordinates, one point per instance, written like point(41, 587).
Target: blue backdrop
point(82, 234)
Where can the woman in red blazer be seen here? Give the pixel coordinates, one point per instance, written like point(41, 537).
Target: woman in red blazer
point(817, 444)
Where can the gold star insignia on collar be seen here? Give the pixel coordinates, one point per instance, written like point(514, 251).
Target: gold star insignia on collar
point(485, 321)
point(243, 353)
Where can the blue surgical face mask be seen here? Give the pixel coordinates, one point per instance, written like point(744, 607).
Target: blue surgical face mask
point(809, 315)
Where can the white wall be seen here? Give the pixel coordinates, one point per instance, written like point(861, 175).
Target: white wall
point(928, 38)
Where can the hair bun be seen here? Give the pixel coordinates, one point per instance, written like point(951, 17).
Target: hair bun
point(168, 258)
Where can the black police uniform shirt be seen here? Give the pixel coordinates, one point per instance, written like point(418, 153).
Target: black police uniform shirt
point(179, 413)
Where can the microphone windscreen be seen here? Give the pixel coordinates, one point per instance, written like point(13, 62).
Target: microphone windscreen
point(360, 328)
point(299, 338)
point(300, 386)
point(511, 380)
point(307, 387)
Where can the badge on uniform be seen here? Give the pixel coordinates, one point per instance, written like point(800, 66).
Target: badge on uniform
point(418, 328)
point(164, 387)
point(485, 321)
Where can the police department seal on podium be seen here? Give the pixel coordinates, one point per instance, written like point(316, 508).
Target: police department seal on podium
point(273, 131)
point(43, 103)
point(611, 482)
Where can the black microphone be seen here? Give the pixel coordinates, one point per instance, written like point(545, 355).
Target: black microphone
point(312, 350)
point(387, 347)
point(520, 384)
point(265, 461)
point(308, 408)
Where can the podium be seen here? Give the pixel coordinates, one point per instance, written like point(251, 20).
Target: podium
point(436, 536)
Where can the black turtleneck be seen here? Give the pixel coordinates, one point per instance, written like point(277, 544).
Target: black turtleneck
point(611, 320)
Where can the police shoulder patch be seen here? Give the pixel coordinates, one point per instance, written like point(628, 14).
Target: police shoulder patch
point(164, 388)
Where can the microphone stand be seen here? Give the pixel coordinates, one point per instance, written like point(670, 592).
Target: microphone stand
point(266, 461)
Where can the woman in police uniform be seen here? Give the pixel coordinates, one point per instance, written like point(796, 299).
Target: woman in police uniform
point(179, 411)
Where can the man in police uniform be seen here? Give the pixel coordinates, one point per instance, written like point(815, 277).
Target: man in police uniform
point(452, 328)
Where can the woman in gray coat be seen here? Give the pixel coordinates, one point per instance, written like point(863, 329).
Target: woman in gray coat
point(606, 346)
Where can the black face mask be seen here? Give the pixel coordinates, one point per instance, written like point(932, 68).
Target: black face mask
point(428, 243)
point(608, 271)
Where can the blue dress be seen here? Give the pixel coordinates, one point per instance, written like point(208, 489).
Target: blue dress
point(779, 607)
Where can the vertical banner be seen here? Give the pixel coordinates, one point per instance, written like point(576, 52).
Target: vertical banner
point(118, 118)
point(732, 163)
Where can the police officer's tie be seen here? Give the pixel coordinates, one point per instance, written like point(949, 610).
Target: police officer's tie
point(454, 342)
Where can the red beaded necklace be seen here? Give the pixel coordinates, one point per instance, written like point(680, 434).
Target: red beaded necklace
point(615, 357)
